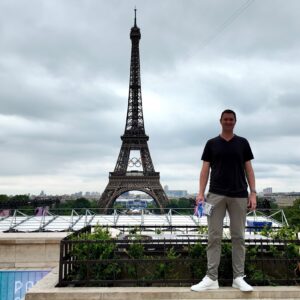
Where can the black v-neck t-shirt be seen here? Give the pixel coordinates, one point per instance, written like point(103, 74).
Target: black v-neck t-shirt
point(227, 161)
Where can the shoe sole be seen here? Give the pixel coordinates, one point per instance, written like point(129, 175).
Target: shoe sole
point(242, 290)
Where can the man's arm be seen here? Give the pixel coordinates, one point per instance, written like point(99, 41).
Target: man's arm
point(251, 181)
point(204, 174)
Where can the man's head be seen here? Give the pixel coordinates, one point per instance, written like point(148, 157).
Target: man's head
point(228, 111)
point(228, 120)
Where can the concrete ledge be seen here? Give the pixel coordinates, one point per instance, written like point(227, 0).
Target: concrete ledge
point(18, 237)
point(35, 250)
point(46, 290)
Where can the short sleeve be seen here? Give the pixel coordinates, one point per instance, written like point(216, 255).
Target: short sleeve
point(248, 155)
point(207, 155)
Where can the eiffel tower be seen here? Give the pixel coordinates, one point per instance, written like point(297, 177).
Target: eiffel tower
point(134, 140)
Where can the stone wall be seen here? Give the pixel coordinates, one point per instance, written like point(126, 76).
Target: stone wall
point(30, 250)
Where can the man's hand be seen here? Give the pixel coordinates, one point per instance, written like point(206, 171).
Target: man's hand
point(252, 201)
point(200, 198)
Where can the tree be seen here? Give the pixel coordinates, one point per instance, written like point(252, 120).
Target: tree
point(184, 205)
point(23, 198)
point(292, 213)
point(4, 198)
point(22, 202)
point(82, 203)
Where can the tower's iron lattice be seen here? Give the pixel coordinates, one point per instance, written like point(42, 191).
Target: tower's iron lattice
point(122, 179)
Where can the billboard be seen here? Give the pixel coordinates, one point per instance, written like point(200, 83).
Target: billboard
point(14, 283)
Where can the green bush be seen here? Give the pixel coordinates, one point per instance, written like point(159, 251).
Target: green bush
point(265, 264)
point(167, 270)
point(198, 251)
point(93, 251)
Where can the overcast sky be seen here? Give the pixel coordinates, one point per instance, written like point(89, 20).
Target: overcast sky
point(64, 74)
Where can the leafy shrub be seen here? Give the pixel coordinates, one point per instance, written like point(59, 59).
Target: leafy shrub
point(167, 270)
point(198, 251)
point(96, 248)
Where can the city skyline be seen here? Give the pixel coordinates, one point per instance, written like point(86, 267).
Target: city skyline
point(184, 193)
point(64, 71)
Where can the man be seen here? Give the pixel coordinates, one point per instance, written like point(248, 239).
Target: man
point(228, 156)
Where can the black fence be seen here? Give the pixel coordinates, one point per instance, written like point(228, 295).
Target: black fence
point(140, 260)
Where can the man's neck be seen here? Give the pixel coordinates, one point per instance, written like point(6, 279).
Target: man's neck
point(227, 135)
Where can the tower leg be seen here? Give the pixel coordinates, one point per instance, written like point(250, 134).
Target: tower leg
point(120, 184)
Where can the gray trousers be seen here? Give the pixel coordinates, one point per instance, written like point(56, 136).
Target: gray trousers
point(237, 210)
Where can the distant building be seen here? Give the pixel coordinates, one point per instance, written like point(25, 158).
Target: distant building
point(267, 191)
point(285, 199)
point(176, 193)
point(134, 203)
point(138, 204)
point(77, 195)
point(92, 195)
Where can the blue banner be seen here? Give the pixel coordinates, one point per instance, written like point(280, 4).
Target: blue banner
point(14, 284)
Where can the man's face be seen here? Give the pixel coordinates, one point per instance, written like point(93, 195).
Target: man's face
point(228, 121)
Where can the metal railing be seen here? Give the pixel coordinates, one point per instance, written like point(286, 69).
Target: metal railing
point(74, 218)
point(142, 261)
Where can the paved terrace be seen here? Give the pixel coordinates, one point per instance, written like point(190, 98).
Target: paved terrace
point(46, 290)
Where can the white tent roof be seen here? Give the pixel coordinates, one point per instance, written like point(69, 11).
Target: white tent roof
point(23, 223)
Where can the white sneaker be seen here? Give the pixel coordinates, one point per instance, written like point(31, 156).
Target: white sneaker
point(241, 284)
point(205, 284)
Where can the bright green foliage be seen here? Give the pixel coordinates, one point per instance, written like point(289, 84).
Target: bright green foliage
point(136, 251)
point(292, 213)
point(98, 247)
point(283, 233)
point(203, 230)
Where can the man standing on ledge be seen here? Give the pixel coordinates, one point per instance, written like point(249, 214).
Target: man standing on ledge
point(229, 158)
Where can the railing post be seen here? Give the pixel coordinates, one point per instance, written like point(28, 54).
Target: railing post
point(60, 271)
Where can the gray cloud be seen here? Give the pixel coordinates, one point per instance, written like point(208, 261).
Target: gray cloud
point(64, 72)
